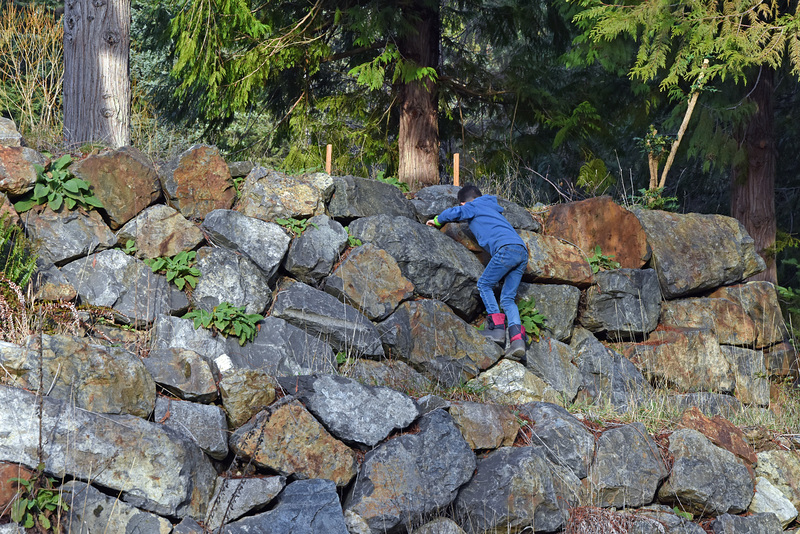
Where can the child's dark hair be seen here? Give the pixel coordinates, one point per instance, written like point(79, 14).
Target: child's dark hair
point(468, 192)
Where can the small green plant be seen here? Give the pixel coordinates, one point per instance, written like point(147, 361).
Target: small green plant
point(599, 261)
point(352, 241)
point(341, 357)
point(531, 318)
point(56, 187)
point(392, 180)
point(227, 319)
point(680, 513)
point(295, 226)
point(130, 247)
point(37, 502)
point(17, 253)
point(179, 268)
point(653, 199)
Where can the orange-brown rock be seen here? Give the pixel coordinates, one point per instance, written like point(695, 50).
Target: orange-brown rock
point(600, 221)
point(198, 181)
point(17, 173)
point(8, 489)
point(760, 301)
point(292, 442)
point(7, 210)
point(721, 432)
point(554, 262)
point(724, 317)
point(123, 180)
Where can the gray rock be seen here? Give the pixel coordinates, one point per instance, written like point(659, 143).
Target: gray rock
point(182, 372)
point(350, 411)
point(154, 468)
point(362, 197)
point(202, 423)
point(510, 382)
point(282, 349)
point(557, 302)
point(12, 528)
point(705, 479)
point(681, 242)
point(332, 321)
point(512, 490)
point(92, 377)
point(312, 255)
point(92, 511)
point(111, 278)
point(627, 468)
point(766, 523)
point(659, 519)
point(268, 194)
point(238, 169)
point(551, 360)
point(399, 374)
point(563, 439)
point(782, 469)
point(9, 136)
point(160, 231)
point(750, 372)
point(624, 303)
point(607, 375)
point(304, 507)
point(229, 277)
point(768, 498)
point(426, 470)
point(369, 280)
point(67, 235)
point(438, 267)
point(188, 526)
point(429, 403)
point(441, 525)
point(264, 243)
point(175, 333)
point(428, 335)
point(235, 497)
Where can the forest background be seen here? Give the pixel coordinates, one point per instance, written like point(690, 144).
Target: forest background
point(679, 105)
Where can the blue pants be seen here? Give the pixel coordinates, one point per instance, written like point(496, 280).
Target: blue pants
point(508, 264)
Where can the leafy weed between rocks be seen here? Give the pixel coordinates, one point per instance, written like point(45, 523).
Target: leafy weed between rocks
point(56, 186)
point(227, 319)
point(38, 502)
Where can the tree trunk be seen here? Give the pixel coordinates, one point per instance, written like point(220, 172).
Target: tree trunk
point(97, 91)
point(753, 187)
point(419, 124)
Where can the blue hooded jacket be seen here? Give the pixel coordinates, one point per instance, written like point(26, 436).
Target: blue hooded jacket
point(486, 222)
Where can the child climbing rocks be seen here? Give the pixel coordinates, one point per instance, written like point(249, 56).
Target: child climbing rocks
point(509, 259)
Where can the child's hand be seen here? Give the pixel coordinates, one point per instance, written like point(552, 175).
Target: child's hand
point(431, 222)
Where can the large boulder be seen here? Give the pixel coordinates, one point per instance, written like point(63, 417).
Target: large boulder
point(324, 316)
point(764, 523)
point(688, 359)
point(226, 276)
point(510, 382)
point(424, 469)
point(727, 319)
point(705, 479)
point(557, 302)
point(369, 280)
point(350, 411)
point(355, 197)
point(265, 243)
point(312, 254)
point(151, 467)
point(115, 280)
point(160, 231)
point(176, 333)
point(268, 195)
point(600, 222)
point(623, 303)
point(681, 242)
point(244, 393)
point(627, 468)
point(198, 181)
point(182, 372)
point(760, 301)
point(554, 262)
point(428, 335)
point(607, 375)
point(123, 180)
point(750, 373)
point(512, 491)
point(289, 440)
point(438, 267)
point(485, 426)
point(782, 469)
point(563, 439)
point(551, 360)
point(721, 432)
point(92, 377)
point(64, 236)
point(304, 507)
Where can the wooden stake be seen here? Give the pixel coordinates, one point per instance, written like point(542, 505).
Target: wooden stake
point(328, 154)
point(455, 168)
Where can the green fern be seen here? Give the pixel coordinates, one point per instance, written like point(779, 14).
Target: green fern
point(17, 253)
